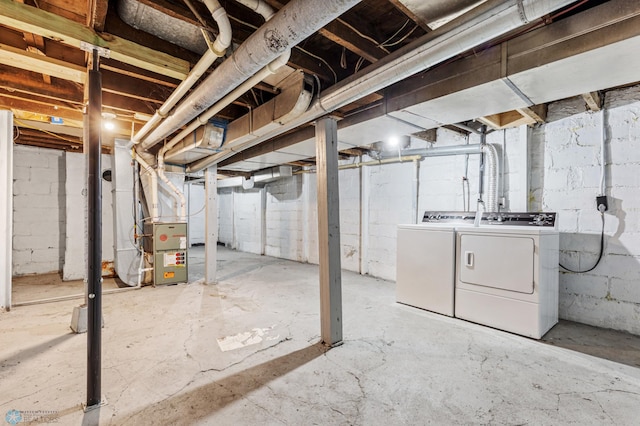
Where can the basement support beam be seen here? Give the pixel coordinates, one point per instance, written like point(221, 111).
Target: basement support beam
point(593, 101)
point(329, 231)
point(210, 224)
point(6, 211)
point(94, 239)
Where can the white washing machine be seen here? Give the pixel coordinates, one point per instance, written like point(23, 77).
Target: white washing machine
point(507, 277)
point(425, 267)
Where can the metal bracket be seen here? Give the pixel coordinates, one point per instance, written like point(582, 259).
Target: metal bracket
point(102, 51)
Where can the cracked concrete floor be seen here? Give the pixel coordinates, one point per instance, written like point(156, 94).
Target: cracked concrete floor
point(164, 363)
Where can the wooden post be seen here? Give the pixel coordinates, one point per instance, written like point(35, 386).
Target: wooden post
point(329, 231)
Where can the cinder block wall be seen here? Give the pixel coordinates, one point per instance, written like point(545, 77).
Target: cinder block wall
point(41, 211)
point(556, 168)
point(38, 210)
point(565, 177)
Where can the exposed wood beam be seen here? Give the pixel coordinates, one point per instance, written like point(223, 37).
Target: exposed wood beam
point(97, 14)
point(30, 83)
point(341, 33)
point(402, 8)
point(593, 100)
point(9, 102)
point(135, 72)
point(133, 88)
point(506, 120)
point(38, 63)
point(536, 112)
point(49, 25)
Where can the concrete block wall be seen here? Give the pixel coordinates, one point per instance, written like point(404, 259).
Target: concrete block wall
point(38, 210)
point(49, 195)
point(565, 177)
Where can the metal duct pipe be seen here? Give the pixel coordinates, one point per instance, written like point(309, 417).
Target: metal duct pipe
point(488, 149)
point(216, 50)
point(292, 24)
point(484, 23)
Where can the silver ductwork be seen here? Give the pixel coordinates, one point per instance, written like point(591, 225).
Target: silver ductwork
point(292, 24)
point(259, 177)
point(487, 22)
point(141, 15)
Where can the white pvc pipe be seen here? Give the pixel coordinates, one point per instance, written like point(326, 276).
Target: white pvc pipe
point(154, 187)
point(177, 194)
point(296, 21)
point(216, 50)
point(487, 22)
point(259, 7)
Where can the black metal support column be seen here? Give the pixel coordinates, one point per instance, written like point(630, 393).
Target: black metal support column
point(94, 273)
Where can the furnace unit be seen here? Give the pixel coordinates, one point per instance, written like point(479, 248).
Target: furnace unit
point(168, 244)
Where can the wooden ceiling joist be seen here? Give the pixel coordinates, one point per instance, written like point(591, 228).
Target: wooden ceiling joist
point(30, 19)
point(35, 62)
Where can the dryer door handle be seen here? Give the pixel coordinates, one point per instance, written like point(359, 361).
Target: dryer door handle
point(468, 259)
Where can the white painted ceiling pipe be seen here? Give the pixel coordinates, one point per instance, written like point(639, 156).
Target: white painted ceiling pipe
point(215, 51)
point(291, 25)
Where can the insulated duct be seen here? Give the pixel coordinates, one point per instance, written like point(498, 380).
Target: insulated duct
point(126, 253)
point(292, 24)
point(487, 22)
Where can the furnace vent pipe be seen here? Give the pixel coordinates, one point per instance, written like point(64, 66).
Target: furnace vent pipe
point(215, 51)
point(484, 23)
point(291, 25)
point(154, 187)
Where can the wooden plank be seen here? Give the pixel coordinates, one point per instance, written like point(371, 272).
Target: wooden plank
point(49, 25)
point(38, 63)
point(30, 83)
point(97, 14)
point(593, 101)
point(40, 108)
point(340, 33)
point(133, 88)
point(329, 231)
point(538, 113)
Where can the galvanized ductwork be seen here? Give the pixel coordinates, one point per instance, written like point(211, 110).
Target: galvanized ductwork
point(141, 15)
point(292, 24)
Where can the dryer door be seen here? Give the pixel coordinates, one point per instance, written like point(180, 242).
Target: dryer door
point(501, 262)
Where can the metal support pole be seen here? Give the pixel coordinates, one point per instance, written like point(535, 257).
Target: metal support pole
point(6, 206)
point(329, 231)
point(483, 140)
point(94, 272)
point(211, 224)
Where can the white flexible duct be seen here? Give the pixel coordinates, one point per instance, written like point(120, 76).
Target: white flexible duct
point(291, 25)
point(491, 155)
point(487, 22)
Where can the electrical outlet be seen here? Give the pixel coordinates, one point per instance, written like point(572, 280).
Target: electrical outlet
point(602, 204)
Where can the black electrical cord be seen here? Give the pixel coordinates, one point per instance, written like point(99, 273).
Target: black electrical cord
point(599, 256)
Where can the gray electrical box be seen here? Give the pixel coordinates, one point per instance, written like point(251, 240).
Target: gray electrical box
point(168, 243)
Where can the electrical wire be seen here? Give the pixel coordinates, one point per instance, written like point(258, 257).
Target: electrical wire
point(599, 255)
point(403, 38)
point(396, 33)
point(44, 131)
point(335, 76)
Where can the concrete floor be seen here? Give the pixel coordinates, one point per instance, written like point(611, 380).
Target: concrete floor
point(246, 351)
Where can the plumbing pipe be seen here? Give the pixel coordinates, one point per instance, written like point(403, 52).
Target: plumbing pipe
point(154, 186)
point(484, 23)
point(215, 51)
point(177, 194)
point(260, 7)
point(291, 25)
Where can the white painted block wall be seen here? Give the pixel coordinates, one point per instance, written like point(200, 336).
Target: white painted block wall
point(38, 210)
point(42, 211)
point(566, 178)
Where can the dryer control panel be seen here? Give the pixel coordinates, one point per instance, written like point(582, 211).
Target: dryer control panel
point(536, 219)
